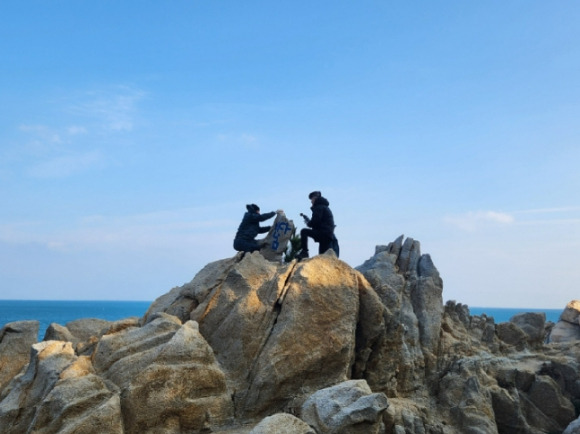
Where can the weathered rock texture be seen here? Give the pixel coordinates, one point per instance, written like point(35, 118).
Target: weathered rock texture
point(15, 341)
point(276, 240)
point(255, 345)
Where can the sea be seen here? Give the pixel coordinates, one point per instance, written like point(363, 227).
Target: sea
point(62, 312)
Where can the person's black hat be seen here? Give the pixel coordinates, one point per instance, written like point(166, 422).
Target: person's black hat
point(314, 194)
point(253, 207)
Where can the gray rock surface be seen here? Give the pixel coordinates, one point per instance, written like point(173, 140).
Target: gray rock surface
point(347, 408)
point(256, 344)
point(16, 338)
point(282, 423)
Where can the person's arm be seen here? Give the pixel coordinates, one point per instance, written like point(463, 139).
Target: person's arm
point(316, 217)
point(264, 229)
point(266, 216)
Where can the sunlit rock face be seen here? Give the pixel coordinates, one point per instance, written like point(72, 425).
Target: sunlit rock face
point(567, 329)
point(253, 344)
point(16, 339)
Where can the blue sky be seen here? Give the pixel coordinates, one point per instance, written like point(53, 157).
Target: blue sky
point(132, 134)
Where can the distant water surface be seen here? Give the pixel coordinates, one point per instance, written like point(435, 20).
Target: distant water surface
point(62, 312)
point(503, 314)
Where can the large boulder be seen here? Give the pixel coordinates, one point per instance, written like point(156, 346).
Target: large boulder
point(59, 392)
point(167, 375)
point(282, 423)
point(567, 329)
point(16, 339)
point(410, 288)
point(347, 408)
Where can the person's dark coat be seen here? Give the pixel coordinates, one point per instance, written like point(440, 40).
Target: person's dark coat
point(322, 219)
point(249, 229)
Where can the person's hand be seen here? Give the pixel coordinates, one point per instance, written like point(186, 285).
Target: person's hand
point(279, 211)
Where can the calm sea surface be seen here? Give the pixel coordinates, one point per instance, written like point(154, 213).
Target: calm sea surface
point(502, 314)
point(61, 312)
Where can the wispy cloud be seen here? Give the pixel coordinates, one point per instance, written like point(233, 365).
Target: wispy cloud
point(549, 216)
point(114, 109)
point(80, 140)
point(244, 140)
point(563, 209)
point(65, 165)
point(473, 220)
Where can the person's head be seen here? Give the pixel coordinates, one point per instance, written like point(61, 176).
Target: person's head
point(314, 195)
point(253, 208)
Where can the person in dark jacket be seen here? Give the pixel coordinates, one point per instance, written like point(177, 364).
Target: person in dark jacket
point(321, 226)
point(245, 240)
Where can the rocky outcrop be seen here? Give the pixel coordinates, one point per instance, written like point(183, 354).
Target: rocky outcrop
point(567, 329)
point(256, 345)
point(347, 408)
point(16, 338)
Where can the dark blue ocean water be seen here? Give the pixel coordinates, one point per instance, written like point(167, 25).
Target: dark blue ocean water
point(61, 312)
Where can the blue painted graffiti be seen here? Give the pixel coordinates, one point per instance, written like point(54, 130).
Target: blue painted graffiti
point(281, 229)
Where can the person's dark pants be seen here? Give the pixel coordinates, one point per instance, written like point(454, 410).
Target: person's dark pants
point(324, 242)
point(246, 246)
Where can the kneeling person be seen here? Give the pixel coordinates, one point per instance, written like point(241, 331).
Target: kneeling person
point(321, 226)
point(245, 240)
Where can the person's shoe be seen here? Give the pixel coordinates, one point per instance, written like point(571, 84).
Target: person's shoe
point(302, 255)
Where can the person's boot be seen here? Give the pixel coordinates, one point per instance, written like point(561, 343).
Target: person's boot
point(302, 255)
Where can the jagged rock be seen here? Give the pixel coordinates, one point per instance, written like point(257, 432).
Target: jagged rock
point(533, 324)
point(57, 332)
point(412, 296)
point(167, 374)
point(564, 331)
point(182, 300)
point(567, 329)
point(571, 312)
point(511, 334)
point(347, 408)
point(276, 240)
point(16, 339)
point(573, 428)
point(249, 338)
point(85, 333)
point(282, 423)
point(276, 340)
point(59, 393)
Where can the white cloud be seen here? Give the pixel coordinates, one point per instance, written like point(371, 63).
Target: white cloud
point(66, 165)
point(76, 130)
point(114, 109)
point(473, 220)
point(244, 140)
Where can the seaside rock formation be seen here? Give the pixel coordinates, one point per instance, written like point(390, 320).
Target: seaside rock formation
point(167, 376)
point(347, 408)
point(59, 392)
point(256, 345)
point(16, 338)
point(282, 423)
point(567, 329)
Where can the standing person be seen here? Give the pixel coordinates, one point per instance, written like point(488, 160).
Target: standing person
point(321, 226)
point(245, 240)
